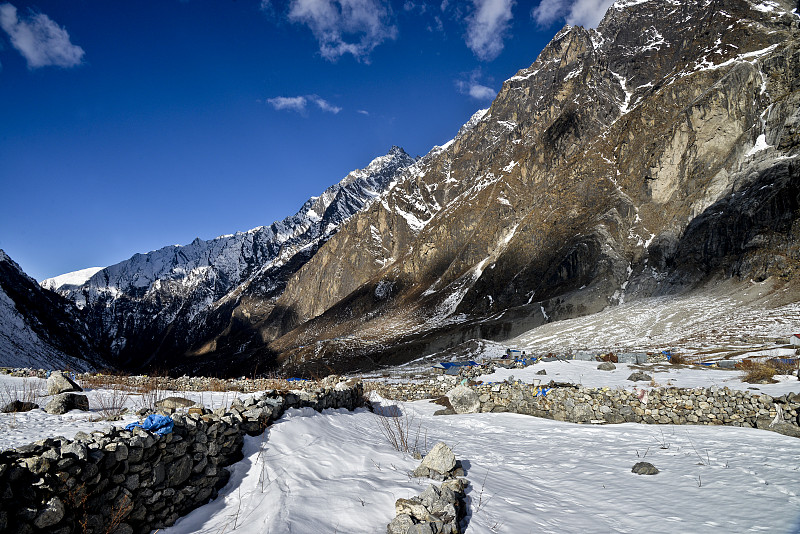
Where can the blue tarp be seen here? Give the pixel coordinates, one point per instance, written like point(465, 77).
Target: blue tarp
point(448, 365)
point(296, 379)
point(156, 423)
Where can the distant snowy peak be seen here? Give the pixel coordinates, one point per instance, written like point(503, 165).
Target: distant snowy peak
point(75, 278)
point(226, 261)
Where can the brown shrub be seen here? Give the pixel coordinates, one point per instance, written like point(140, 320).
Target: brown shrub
point(758, 372)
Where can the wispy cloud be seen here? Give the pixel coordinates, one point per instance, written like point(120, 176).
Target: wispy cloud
point(363, 112)
point(41, 41)
point(487, 26)
point(300, 103)
point(587, 13)
point(474, 88)
point(324, 105)
point(342, 27)
point(549, 11)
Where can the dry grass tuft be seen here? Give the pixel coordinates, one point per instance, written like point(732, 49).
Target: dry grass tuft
point(758, 372)
point(678, 359)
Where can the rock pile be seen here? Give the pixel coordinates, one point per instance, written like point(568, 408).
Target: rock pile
point(439, 509)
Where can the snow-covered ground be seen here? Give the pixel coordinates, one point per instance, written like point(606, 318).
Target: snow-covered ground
point(334, 472)
point(728, 320)
point(664, 375)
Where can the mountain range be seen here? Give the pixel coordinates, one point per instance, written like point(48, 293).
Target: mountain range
point(654, 155)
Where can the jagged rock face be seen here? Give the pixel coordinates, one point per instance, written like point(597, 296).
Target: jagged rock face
point(159, 308)
point(641, 158)
point(39, 328)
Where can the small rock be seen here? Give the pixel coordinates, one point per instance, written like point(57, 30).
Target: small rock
point(541, 372)
point(606, 366)
point(644, 468)
point(51, 514)
point(400, 524)
point(57, 383)
point(640, 376)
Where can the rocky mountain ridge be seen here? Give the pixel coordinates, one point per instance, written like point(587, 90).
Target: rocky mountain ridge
point(654, 155)
point(170, 299)
point(39, 328)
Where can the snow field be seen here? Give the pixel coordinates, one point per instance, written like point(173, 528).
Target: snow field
point(334, 472)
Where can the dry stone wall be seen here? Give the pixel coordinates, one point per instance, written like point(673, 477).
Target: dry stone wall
point(125, 482)
point(680, 406)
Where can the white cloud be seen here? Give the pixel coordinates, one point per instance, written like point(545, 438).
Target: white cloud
point(291, 103)
point(474, 88)
point(324, 105)
point(363, 112)
point(548, 11)
point(41, 41)
point(342, 27)
point(300, 103)
point(487, 26)
point(587, 13)
point(481, 92)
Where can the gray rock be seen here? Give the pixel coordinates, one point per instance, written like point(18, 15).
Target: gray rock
point(75, 449)
point(412, 507)
point(52, 513)
point(787, 429)
point(179, 471)
point(65, 402)
point(420, 528)
point(640, 376)
point(440, 459)
point(464, 399)
point(173, 403)
point(400, 524)
point(57, 383)
point(606, 366)
point(644, 468)
point(541, 372)
point(19, 406)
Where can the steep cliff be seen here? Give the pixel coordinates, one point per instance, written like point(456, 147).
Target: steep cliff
point(38, 328)
point(650, 156)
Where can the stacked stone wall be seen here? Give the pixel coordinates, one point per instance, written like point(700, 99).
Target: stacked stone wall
point(125, 482)
point(704, 406)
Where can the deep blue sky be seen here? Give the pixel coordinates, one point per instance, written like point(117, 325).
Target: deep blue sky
point(128, 126)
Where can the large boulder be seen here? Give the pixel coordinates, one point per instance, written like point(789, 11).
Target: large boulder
point(58, 382)
point(65, 402)
point(464, 400)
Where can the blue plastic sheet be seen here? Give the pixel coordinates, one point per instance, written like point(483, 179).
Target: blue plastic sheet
point(156, 423)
